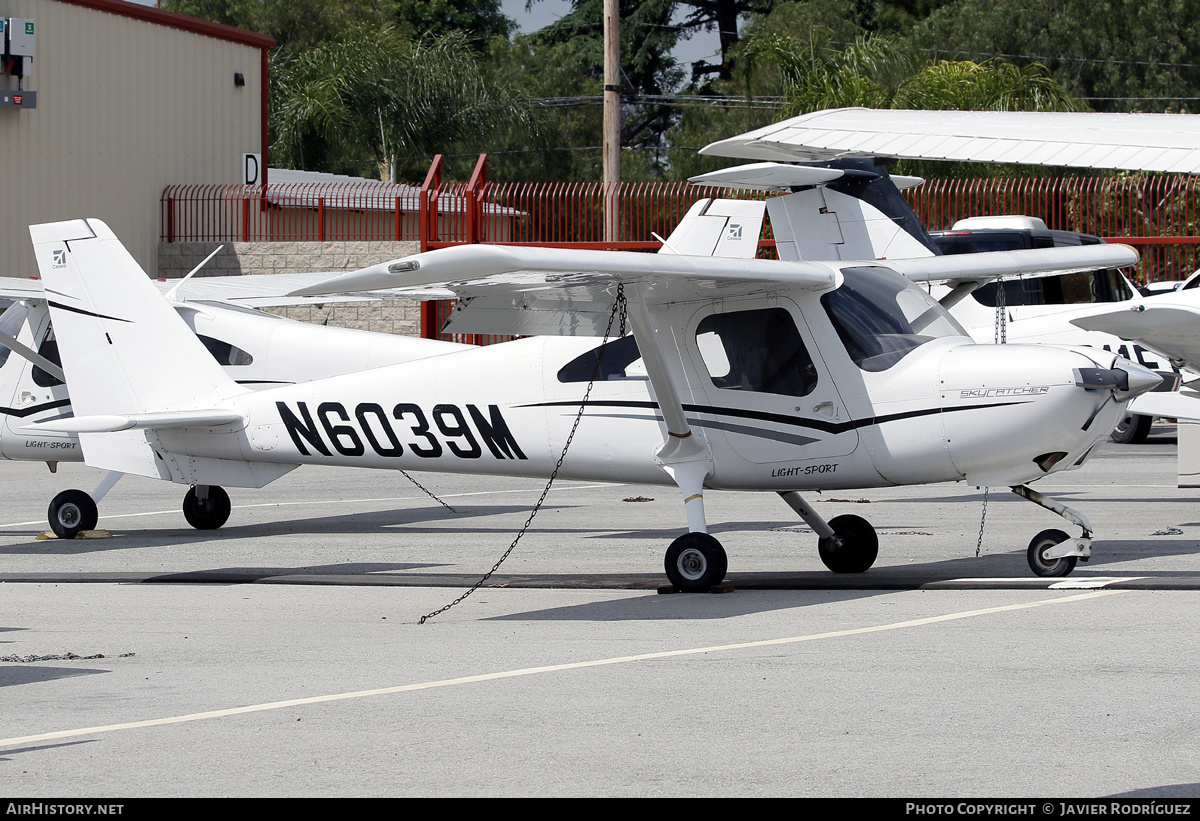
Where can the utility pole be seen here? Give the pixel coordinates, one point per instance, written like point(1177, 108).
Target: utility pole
point(612, 118)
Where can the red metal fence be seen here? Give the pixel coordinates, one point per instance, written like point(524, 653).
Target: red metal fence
point(1157, 213)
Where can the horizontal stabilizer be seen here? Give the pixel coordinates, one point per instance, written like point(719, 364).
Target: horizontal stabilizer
point(774, 176)
point(110, 423)
point(768, 176)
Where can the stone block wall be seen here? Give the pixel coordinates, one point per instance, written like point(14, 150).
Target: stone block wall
point(175, 259)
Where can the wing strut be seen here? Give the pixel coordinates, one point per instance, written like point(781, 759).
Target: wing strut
point(685, 455)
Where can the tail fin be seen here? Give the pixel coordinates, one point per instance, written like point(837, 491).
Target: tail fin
point(718, 228)
point(123, 348)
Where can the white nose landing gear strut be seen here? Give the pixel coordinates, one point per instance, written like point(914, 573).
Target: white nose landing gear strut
point(1053, 552)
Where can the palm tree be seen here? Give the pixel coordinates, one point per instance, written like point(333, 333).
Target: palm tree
point(381, 95)
point(879, 71)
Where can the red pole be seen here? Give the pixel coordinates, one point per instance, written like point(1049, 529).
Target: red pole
point(429, 189)
point(473, 200)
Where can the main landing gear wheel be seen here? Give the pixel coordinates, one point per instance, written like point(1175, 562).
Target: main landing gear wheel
point(207, 514)
point(853, 546)
point(1043, 566)
point(1132, 429)
point(72, 512)
point(695, 562)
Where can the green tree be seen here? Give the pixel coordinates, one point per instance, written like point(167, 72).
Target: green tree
point(376, 94)
point(1117, 55)
point(723, 16)
point(562, 138)
point(647, 67)
point(480, 20)
point(753, 96)
point(296, 25)
point(992, 85)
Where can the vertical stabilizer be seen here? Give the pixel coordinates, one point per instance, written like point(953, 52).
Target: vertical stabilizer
point(123, 348)
point(718, 228)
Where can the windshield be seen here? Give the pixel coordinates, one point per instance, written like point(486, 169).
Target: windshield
point(1080, 288)
point(10, 324)
point(881, 317)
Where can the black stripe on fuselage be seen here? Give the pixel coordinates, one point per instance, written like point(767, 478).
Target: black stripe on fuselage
point(21, 413)
point(780, 418)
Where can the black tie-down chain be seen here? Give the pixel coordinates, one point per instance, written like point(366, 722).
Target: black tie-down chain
point(982, 519)
point(426, 491)
point(619, 309)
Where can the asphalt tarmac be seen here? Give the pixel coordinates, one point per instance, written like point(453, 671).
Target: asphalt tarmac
point(282, 655)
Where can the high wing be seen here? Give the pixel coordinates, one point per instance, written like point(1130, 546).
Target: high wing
point(508, 289)
point(268, 290)
point(13, 288)
point(1132, 142)
point(251, 290)
point(1168, 324)
point(1003, 264)
point(556, 291)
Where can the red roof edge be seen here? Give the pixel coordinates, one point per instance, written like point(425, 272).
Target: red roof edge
point(179, 21)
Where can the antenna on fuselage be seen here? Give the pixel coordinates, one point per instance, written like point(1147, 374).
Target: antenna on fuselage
point(171, 293)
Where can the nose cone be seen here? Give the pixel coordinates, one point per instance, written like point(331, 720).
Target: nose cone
point(1124, 379)
point(1137, 380)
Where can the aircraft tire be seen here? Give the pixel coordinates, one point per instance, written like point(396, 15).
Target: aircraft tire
point(853, 547)
point(1132, 429)
point(695, 562)
point(72, 512)
point(1042, 566)
point(207, 514)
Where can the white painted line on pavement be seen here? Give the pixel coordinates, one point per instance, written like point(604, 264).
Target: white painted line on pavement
point(555, 668)
point(533, 490)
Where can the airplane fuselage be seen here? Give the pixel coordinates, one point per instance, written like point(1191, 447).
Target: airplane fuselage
point(946, 411)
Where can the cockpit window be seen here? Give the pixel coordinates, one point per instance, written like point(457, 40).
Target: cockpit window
point(881, 317)
point(49, 350)
point(758, 351)
point(225, 353)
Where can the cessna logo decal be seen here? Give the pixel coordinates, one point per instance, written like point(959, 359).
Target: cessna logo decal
point(372, 426)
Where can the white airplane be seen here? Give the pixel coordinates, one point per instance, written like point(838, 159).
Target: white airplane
point(257, 349)
point(1160, 327)
point(749, 374)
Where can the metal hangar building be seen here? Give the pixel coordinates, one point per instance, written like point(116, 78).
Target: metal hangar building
point(104, 103)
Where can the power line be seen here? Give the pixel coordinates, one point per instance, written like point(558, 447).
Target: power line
point(1037, 57)
point(676, 100)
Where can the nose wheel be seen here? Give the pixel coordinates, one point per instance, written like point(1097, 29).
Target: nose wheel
point(1052, 552)
point(695, 562)
point(1040, 560)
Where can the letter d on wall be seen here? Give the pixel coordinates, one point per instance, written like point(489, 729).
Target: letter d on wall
point(251, 169)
